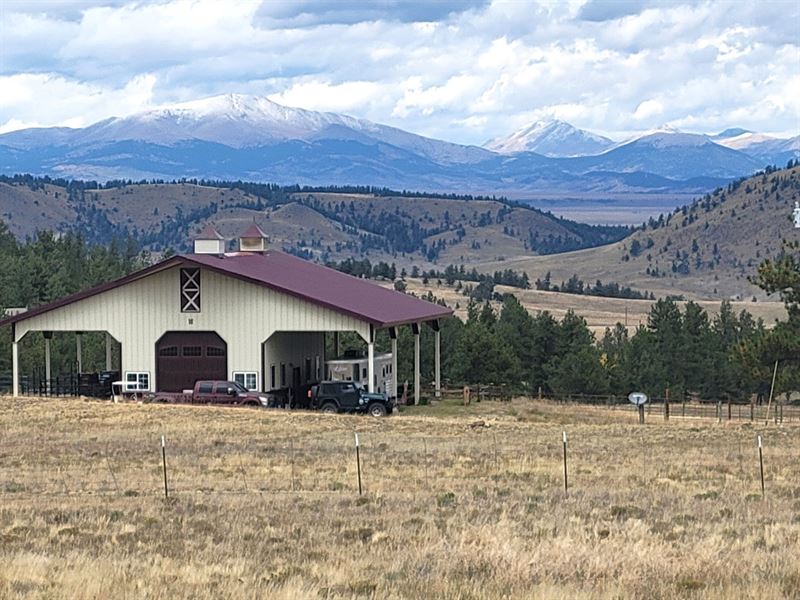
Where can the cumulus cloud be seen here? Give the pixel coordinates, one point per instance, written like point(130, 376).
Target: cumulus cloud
point(460, 70)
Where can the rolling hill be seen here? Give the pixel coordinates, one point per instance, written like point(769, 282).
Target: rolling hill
point(707, 249)
point(409, 230)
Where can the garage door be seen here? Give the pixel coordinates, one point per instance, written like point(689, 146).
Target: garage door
point(183, 357)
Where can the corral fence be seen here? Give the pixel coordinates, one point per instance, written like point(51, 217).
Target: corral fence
point(778, 411)
point(92, 385)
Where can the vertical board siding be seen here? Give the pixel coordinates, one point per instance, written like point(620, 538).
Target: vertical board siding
point(244, 314)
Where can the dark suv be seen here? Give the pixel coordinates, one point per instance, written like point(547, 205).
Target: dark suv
point(346, 396)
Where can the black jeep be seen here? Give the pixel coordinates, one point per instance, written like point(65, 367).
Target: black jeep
point(346, 396)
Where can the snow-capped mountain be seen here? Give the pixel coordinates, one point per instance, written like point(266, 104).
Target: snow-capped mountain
point(551, 138)
point(241, 121)
point(253, 138)
point(672, 153)
point(767, 149)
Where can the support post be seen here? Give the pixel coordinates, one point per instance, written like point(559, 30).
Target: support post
point(79, 351)
point(393, 336)
point(336, 349)
point(438, 360)
point(771, 390)
point(48, 335)
point(108, 351)
point(371, 360)
point(14, 365)
point(415, 330)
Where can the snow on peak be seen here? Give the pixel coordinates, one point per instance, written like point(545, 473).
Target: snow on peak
point(551, 138)
point(242, 121)
point(745, 140)
point(667, 135)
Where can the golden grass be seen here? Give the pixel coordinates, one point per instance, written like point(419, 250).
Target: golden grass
point(459, 503)
point(599, 312)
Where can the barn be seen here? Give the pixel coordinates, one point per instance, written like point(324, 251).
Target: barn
point(256, 315)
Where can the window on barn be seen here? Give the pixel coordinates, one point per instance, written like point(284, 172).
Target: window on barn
point(193, 351)
point(168, 351)
point(190, 290)
point(283, 375)
point(215, 351)
point(136, 381)
point(272, 377)
point(247, 379)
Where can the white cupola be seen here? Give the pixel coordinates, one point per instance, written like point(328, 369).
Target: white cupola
point(209, 241)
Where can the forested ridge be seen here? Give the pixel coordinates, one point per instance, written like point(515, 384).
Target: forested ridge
point(163, 215)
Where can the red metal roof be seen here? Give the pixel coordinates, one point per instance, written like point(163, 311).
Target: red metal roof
point(209, 233)
point(324, 286)
point(285, 273)
point(254, 231)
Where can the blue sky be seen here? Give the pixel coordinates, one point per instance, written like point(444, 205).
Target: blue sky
point(463, 71)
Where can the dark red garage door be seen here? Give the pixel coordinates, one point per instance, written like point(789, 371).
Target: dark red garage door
point(183, 357)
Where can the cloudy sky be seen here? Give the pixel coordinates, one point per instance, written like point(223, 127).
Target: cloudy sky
point(465, 71)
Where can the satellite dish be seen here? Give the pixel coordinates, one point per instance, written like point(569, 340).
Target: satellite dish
point(637, 398)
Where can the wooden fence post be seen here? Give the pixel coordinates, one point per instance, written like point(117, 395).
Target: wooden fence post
point(666, 405)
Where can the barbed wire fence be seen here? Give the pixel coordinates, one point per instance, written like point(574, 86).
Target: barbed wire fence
point(481, 459)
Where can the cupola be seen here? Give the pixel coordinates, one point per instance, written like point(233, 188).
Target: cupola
point(253, 240)
point(209, 241)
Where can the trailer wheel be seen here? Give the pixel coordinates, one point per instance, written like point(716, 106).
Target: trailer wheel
point(329, 408)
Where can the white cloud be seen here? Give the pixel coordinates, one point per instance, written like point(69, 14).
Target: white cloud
point(68, 103)
point(320, 95)
point(464, 71)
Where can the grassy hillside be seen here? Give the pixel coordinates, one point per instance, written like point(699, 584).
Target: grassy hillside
point(707, 249)
point(406, 229)
point(598, 312)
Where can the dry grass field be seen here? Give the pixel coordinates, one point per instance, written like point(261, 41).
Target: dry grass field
point(458, 503)
point(599, 312)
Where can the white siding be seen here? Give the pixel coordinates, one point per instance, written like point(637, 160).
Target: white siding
point(292, 349)
point(243, 314)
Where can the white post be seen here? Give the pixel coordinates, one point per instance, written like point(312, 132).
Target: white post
point(394, 364)
point(79, 352)
point(416, 363)
point(371, 361)
point(47, 363)
point(14, 369)
point(108, 351)
point(438, 359)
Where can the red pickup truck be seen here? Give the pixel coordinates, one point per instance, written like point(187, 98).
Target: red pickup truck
point(214, 392)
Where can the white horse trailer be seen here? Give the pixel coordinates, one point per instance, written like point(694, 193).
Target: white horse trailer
point(354, 366)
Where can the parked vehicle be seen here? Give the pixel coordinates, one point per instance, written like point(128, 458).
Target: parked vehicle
point(211, 392)
point(347, 396)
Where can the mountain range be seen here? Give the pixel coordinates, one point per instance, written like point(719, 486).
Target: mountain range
point(252, 138)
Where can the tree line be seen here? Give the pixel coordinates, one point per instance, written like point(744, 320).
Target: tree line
point(680, 348)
